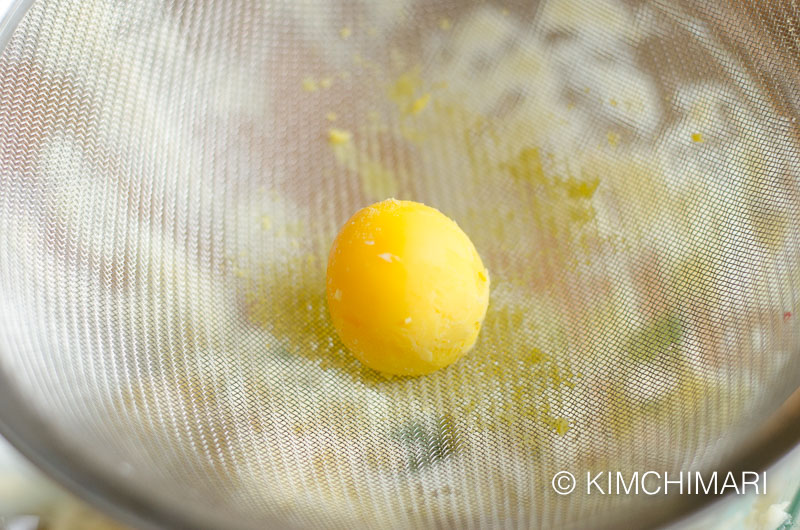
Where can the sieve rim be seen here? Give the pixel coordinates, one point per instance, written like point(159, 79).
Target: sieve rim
point(10, 19)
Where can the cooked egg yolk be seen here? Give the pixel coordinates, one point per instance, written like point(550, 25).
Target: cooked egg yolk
point(406, 289)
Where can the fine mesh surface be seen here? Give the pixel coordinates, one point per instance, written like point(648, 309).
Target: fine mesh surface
point(628, 172)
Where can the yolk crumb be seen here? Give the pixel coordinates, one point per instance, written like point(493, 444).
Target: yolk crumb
point(561, 426)
point(407, 291)
point(309, 85)
point(339, 136)
point(419, 104)
point(345, 32)
point(697, 137)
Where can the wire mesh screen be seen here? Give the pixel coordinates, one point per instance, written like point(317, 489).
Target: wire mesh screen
point(172, 175)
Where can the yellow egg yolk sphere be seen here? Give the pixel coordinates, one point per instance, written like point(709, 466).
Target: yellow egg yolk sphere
point(406, 289)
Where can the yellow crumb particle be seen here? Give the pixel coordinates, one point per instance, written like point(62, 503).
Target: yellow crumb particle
point(538, 356)
point(345, 32)
point(561, 426)
point(613, 138)
point(331, 116)
point(697, 137)
point(581, 189)
point(309, 85)
point(405, 86)
point(377, 180)
point(326, 82)
point(613, 102)
point(419, 104)
point(339, 136)
point(445, 24)
point(266, 222)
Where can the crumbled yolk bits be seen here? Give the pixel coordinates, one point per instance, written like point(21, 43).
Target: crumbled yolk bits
point(339, 136)
point(407, 291)
point(309, 85)
point(419, 104)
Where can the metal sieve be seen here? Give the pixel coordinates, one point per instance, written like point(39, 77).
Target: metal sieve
point(172, 174)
